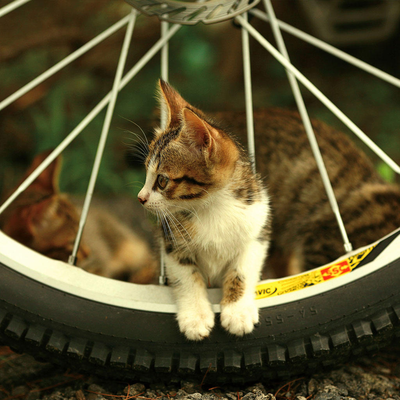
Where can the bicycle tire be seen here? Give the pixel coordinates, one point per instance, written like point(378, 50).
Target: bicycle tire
point(346, 317)
point(302, 331)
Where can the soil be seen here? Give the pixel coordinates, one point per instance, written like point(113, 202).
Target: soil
point(373, 377)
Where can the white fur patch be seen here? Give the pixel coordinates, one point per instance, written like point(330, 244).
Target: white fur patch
point(226, 229)
point(239, 318)
point(227, 232)
point(226, 239)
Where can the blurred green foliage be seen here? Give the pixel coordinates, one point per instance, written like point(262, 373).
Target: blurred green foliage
point(77, 90)
point(204, 65)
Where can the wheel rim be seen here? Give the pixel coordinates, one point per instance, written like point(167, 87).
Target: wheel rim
point(158, 298)
point(123, 80)
point(190, 13)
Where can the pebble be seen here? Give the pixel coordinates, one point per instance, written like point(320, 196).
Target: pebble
point(19, 391)
point(135, 389)
point(353, 381)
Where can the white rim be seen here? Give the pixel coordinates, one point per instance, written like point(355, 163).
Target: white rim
point(158, 298)
point(75, 281)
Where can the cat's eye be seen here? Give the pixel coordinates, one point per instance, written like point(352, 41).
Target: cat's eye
point(162, 181)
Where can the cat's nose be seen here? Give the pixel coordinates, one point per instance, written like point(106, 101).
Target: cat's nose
point(143, 196)
point(142, 200)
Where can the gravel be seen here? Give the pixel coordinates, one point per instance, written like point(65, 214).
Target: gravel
point(376, 377)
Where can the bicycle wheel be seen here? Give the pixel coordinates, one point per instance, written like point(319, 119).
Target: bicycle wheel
point(63, 314)
point(60, 313)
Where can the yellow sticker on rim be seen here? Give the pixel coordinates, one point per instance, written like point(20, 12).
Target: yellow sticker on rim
point(311, 278)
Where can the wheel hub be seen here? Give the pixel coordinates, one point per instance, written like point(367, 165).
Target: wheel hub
point(190, 13)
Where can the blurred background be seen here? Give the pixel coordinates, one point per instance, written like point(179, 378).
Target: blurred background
point(205, 66)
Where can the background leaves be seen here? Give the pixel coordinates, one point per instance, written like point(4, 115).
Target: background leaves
point(205, 65)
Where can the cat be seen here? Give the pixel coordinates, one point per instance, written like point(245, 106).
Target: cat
point(305, 233)
point(200, 184)
point(215, 213)
point(47, 221)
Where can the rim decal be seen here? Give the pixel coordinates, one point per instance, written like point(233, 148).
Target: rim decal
point(311, 278)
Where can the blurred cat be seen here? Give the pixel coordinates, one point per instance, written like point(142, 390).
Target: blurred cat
point(47, 221)
point(305, 233)
point(214, 210)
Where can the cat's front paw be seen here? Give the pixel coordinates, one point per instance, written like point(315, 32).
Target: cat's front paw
point(196, 325)
point(239, 318)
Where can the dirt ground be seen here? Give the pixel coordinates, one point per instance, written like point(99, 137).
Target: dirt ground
point(373, 377)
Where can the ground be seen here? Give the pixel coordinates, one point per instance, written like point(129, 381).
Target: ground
point(373, 377)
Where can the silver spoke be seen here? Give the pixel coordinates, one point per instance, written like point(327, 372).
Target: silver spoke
point(330, 49)
point(64, 62)
point(12, 6)
point(104, 133)
point(308, 128)
point(313, 89)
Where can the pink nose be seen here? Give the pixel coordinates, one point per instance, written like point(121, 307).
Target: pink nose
point(142, 200)
point(143, 196)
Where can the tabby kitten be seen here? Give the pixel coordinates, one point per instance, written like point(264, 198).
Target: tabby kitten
point(305, 233)
point(215, 215)
point(47, 221)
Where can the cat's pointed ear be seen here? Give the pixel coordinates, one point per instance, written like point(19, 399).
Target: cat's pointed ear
point(48, 179)
point(198, 131)
point(171, 103)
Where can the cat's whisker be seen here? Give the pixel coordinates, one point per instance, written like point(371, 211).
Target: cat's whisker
point(138, 152)
point(191, 211)
point(169, 227)
point(133, 122)
point(205, 190)
point(161, 219)
point(179, 222)
point(139, 144)
point(140, 157)
point(137, 140)
point(172, 234)
point(138, 149)
point(173, 219)
point(136, 182)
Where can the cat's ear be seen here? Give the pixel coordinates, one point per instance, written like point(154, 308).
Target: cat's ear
point(198, 131)
point(171, 103)
point(26, 222)
point(48, 179)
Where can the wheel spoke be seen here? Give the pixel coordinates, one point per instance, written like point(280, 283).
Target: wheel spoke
point(308, 128)
point(91, 115)
point(313, 89)
point(104, 133)
point(12, 6)
point(64, 62)
point(330, 49)
point(248, 95)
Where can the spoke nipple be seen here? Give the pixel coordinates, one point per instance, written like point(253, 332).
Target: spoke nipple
point(348, 247)
point(72, 259)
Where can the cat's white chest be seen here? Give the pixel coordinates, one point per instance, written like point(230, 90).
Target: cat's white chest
point(224, 230)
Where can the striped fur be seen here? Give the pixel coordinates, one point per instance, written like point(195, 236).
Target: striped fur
point(215, 209)
point(215, 217)
point(305, 233)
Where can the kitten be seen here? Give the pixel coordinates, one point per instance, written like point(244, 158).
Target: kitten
point(215, 215)
point(305, 233)
point(47, 221)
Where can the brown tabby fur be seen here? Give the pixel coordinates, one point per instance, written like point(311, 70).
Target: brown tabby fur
point(47, 221)
point(305, 233)
point(214, 211)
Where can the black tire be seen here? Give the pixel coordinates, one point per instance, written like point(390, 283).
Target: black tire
point(292, 338)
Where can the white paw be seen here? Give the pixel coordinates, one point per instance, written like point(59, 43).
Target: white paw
point(196, 324)
point(239, 318)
